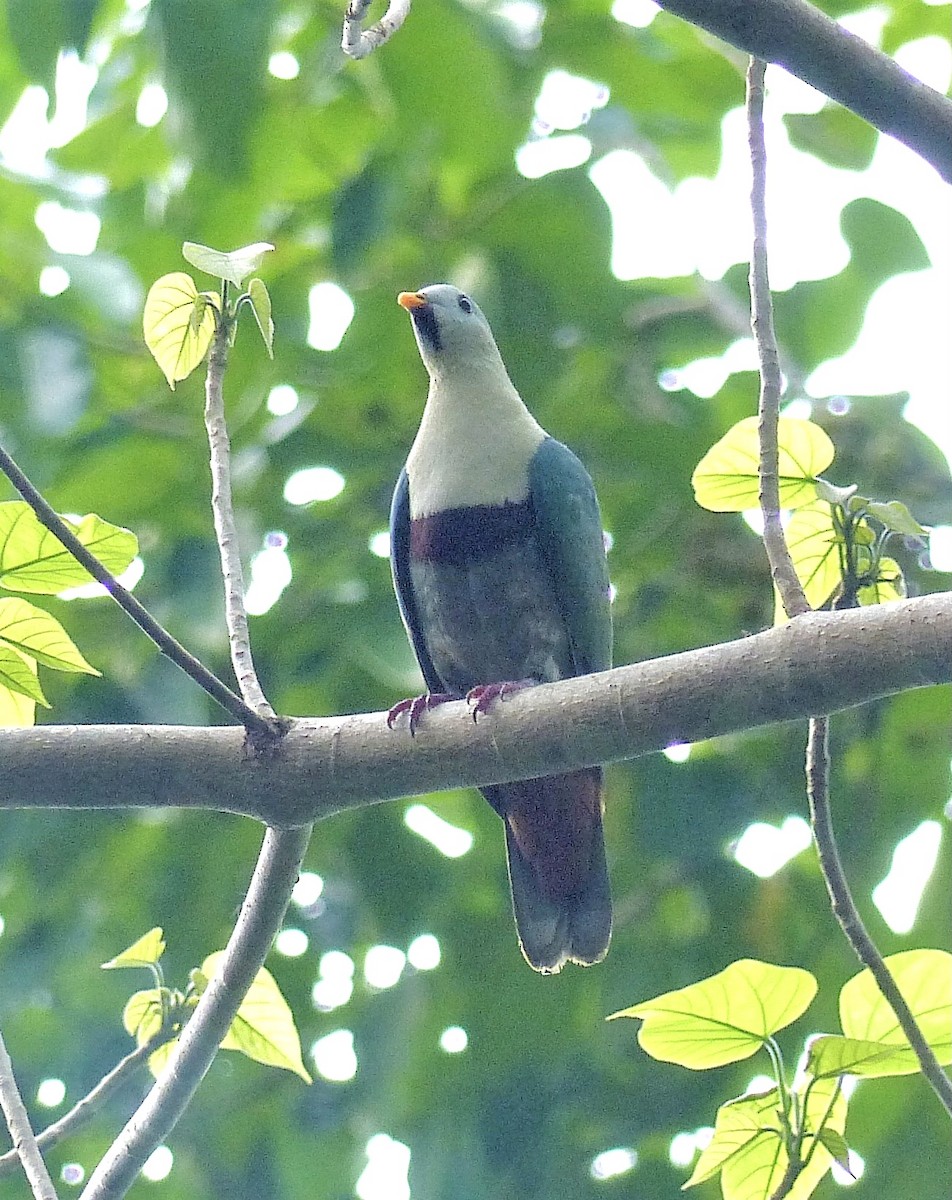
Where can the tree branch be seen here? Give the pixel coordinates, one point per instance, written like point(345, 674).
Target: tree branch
point(818, 664)
point(87, 1107)
point(236, 618)
point(846, 912)
point(173, 650)
point(279, 859)
point(796, 35)
point(782, 570)
point(21, 1131)
point(261, 913)
point(357, 42)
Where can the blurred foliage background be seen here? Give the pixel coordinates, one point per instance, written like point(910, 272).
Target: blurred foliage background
point(379, 176)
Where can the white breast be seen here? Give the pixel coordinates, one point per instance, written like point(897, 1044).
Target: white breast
point(474, 445)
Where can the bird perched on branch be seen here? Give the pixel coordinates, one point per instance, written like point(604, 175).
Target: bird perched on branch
point(499, 568)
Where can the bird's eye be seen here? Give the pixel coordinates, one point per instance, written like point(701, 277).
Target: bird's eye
point(465, 304)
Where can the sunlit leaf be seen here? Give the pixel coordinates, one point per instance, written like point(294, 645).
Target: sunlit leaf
point(17, 711)
point(890, 584)
point(159, 1059)
point(33, 560)
point(748, 1147)
point(814, 549)
point(177, 345)
point(726, 478)
point(837, 495)
point(831, 1055)
point(261, 307)
point(144, 952)
point(896, 517)
point(835, 1143)
point(143, 1013)
point(724, 1018)
point(233, 266)
point(263, 1028)
point(34, 632)
point(18, 673)
point(924, 977)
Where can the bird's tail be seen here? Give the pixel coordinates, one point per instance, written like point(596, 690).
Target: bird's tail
point(560, 891)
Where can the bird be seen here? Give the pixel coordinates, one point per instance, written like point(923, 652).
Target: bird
point(500, 571)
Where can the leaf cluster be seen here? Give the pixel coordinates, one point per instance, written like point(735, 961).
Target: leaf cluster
point(781, 1142)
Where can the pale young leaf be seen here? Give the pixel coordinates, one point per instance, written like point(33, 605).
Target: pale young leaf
point(36, 633)
point(177, 344)
point(726, 479)
point(144, 951)
point(263, 1028)
point(232, 265)
point(34, 560)
point(725, 1018)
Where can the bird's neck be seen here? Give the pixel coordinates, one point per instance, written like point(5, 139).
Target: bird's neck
point(474, 444)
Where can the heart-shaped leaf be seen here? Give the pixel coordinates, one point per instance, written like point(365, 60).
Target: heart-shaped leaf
point(724, 1018)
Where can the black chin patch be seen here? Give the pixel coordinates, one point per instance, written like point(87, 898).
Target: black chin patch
point(424, 319)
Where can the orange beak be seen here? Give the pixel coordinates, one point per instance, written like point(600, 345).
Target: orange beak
point(411, 300)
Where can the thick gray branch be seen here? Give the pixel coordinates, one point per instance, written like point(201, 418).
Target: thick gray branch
point(812, 46)
point(817, 664)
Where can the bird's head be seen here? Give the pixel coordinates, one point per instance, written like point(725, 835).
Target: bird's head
point(450, 329)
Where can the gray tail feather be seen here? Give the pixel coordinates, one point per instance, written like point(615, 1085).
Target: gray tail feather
point(551, 932)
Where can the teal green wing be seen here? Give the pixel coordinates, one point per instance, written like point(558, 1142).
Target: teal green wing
point(570, 534)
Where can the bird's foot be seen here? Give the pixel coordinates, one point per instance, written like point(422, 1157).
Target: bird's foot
point(482, 698)
point(416, 706)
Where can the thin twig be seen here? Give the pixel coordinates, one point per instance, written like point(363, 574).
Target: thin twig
point(232, 703)
point(795, 603)
point(357, 42)
point(86, 1108)
point(275, 873)
point(261, 914)
point(236, 616)
point(771, 382)
point(21, 1131)
point(844, 908)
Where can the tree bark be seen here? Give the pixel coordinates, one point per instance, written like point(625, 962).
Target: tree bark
point(818, 664)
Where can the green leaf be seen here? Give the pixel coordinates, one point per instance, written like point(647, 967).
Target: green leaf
point(263, 1028)
point(814, 549)
point(143, 1013)
point(233, 266)
point(144, 952)
point(724, 1018)
point(748, 1148)
point(16, 709)
point(896, 517)
point(890, 584)
point(834, 134)
point(18, 673)
point(738, 1124)
point(835, 1143)
point(167, 323)
point(836, 495)
point(726, 478)
point(832, 1055)
point(34, 632)
point(924, 977)
point(261, 307)
point(33, 560)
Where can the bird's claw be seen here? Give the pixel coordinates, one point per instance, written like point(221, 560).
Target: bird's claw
point(415, 707)
point(482, 698)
